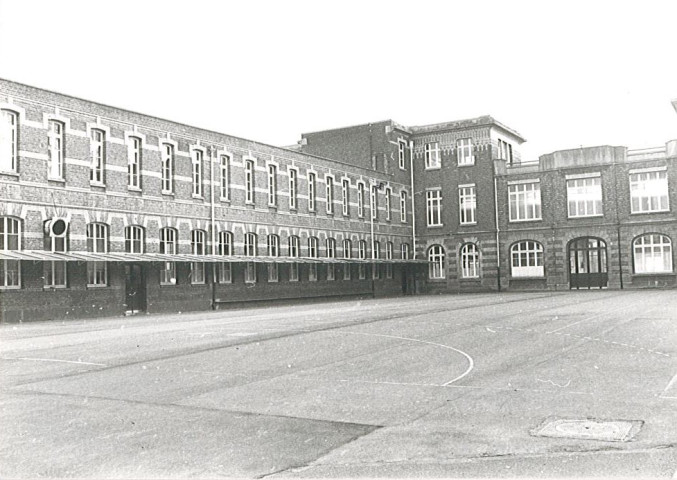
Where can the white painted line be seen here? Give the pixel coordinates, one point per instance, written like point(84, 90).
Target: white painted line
point(670, 384)
point(588, 318)
point(471, 363)
point(55, 360)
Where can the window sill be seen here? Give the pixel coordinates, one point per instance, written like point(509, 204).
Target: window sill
point(650, 212)
point(526, 220)
point(437, 280)
point(168, 284)
point(436, 226)
point(97, 184)
point(58, 180)
point(437, 167)
point(54, 287)
point(597, 215)
point(528, 278)
point(197, 197)
point(469, 224)
point(9, 173)
point(224, 199)
point(167, 193)
point(198, 283)
point(89, 285)
point(654, 274)
point(466, 164)
point(133, 189)
point(13, 287)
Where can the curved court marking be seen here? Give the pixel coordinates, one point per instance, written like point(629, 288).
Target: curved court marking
point(471, 363)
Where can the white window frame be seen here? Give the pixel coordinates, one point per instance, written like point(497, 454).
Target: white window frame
point(250, 250)
point(652, 254)
point(432, 155)
point(167, 159)
point(98, 153)
point(9, 140)
point(404, 251)
point(347, 255)
point(224, 176)
point(401, 152)
point(293, 188)
point(389, 256)
point(331, 253)
point(55, 273)
point(362, 255)
point(134, 237)
point(225, 272)
point(10, 239)
point(467, 204)
point(403, 206)
point(470, 261)
point(329, 194)
point(433, 200)
point(436, 262)
point(294, 252)
point(56, 148)
point(97, 272)
point(134, 159)
point(649, 191)
point(527, 259)
point(464, 149)
point(388, 205)
point(524, 201)
point(345, 196)
point(196, 161)
point(273, 241)
point(249, 179)
point(272, 185)
point(360, 199)
point(198, 243)
point(169, 243)
point(312, 190)
point(313, 252)
point(584, 196)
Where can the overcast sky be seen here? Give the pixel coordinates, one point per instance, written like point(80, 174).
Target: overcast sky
point(563, 74)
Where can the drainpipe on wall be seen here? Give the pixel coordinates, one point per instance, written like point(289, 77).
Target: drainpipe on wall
point(498, 240)
point(413, 207)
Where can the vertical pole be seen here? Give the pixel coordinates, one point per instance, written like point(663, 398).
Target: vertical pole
point(213, 222)
point(498, 240)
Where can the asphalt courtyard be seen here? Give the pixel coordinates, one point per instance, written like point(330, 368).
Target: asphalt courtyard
point(564, 384)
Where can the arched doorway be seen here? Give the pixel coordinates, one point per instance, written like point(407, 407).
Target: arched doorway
point(587, 263)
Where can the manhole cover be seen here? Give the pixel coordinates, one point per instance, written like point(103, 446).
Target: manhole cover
point(589, 429)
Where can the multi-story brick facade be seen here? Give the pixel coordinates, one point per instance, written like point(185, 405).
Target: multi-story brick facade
point(105, 211)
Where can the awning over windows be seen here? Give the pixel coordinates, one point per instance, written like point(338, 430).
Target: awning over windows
point(46, 256)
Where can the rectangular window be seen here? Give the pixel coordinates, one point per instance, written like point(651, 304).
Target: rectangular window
point(225, 273)
point(373, 202)
point(467, 204)
point(360, 200)
point(584, 197)
point(649, 191)
point(98, 153)
point(432, 155)
point(376, 254)
point(401, 149)
point(168, 246)
point(294, 253)
point(9, 141)
point(293, 189)
point(313, 252)
point(389, 256)
point(224, 177)
point(434, 207)
point(10, 239)
point(311, 191)
point(97, 242)
point(524, 201)
point(272, 185)
point(273, 251)
point(345, 197)
point(250, 272)
point(198, 247)
point(55, 140)
point(167, 168)
point(134, 239)
point(249, 181)
point(54, 273)
point(331, 253)
point(250, 250)
point(134, 162)
point(329, 182)
point(464, 151)
point(403, 206)
point(197, 157)
point(505, 151)
point(404, 251)
point(362, 254)
point(387, 203)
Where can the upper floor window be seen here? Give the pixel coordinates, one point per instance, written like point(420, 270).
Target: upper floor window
point(464, 150)
point(436, 268)
point(345, 196)
point(362, 249)
point(224, 177)
point(524, 201)
point(196, 162)
point(401, 149)
point(388, 206)
point(97, 242)
point(347, 248)
point(432, 155)
point(403, 206)
point(9, 141)
point(584, 197)
point(434, 207)
point(134, 162)
point(56, 148)
point(467, 202)
point(98, 153)
point(373, 202)
point(649, 191)
point(250, 245)
point(360, 200)
point(652, 253)
point(134, 239)
point(249, 181)
point(10, 239)
point(527, 259)
point(404, 251)
point(311, 191)
point(329, 183)
point(167, 167)
point(505, 151)
point(470, 261)
point(272, 185)
point(225, 243)
point(293, 188)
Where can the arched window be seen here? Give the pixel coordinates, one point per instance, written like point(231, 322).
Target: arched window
point(97, 242)
point(250, 250)
point(198, 242)
point(134, 239)
point(470, 261)
point(652, 253)
point(168, 246)
point(294, 253)
point(436, 268)
point(9, 140)
point(225, 274)
point(273, 251)
point(331, 253)
point(527, 259)
point(10, 239)
point(362, 253)
point(313, 252)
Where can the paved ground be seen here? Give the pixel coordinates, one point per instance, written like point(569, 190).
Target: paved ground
point(453, 386)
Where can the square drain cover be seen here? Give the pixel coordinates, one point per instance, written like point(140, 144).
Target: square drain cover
point(589, 429)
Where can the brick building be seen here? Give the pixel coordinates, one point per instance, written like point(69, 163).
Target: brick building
point(104, 211)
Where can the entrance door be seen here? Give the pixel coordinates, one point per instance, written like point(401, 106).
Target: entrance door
point(587, 263)
point(135, 288)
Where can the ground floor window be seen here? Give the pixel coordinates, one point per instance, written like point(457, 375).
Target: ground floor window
point(527, 259)
point(470, 261)
point(346, 271)
point(168, 274)
point(436, 262)
point(97, 274)
point(225, 273)
point(362, 271)
point(652, 254)
point(273, 272)
point(312, 272)
point(197, 273)
point(331, 271)
point(294, 272)
point(375, 271)
point(54, 274)
point(10, 274)
point(250, 272)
